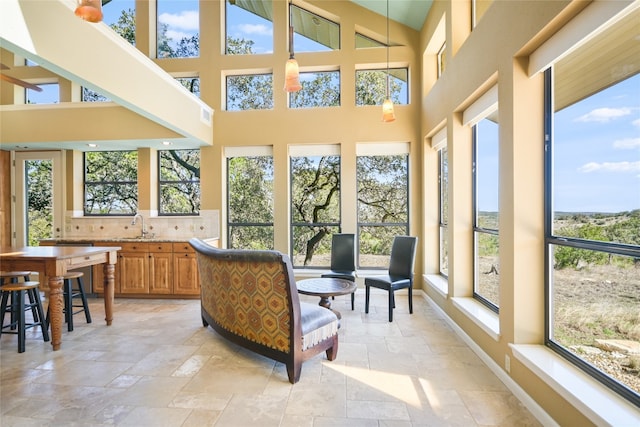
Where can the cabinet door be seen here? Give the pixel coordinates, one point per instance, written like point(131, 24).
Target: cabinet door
point(134, 272)
point(185, 274)
point(160, 273)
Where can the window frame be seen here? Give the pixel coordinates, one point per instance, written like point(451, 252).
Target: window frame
point(384, 150)
point(318, 151)
point(443, 220)
point(84, 182)
point(230, 154)
point(476, 228)
point(162, 182)
point(551, 240)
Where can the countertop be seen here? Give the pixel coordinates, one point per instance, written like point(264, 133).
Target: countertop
point(85, 240)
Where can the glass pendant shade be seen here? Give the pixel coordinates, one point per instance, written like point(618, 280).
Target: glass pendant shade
point(387, 111)
point(89, 10)
point(292, 76)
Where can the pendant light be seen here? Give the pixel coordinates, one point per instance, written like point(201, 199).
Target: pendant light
point(387, 106)
point(89, 10)
point(291, 71)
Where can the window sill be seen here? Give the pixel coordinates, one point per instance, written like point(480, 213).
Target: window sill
point(438, 283)
point(486, 319)
point(597, 402)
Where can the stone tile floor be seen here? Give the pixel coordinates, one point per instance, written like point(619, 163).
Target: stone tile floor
point(158, 366)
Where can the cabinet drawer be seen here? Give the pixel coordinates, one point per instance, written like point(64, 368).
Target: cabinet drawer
point(160, 247)
point(134, 247)
point(183, 247)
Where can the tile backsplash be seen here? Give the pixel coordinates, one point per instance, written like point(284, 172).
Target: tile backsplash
point(206, 225)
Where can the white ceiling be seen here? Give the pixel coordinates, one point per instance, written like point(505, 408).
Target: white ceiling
point(408, 12)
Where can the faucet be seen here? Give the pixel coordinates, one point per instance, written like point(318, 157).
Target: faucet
point(133, 222)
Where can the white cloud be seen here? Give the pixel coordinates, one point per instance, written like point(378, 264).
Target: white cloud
point(604, 115)
point(627, 144)
point(176, 36)
point(636, 122)
point(186, 20)
point(262, 30)
point(610, 167)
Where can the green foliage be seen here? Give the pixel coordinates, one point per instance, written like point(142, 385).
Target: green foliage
point(111, 182)
point(619, 228)
point(39, 176)
point(371, 87)
point(179, 182)
point(321, 91)
point(315, 202)
point(250, 202)
point(382, 189)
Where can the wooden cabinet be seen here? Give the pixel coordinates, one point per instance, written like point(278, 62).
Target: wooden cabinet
point(161, 278)
point(133, 263)
point(185, 270)
point(151, 269)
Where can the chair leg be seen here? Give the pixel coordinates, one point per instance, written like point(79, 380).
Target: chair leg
point(391, 305)
point(3, 309)
point(83, 296)
point(366, 298)
point(68, 304)
point(411, 299)
point(44, 325)
point(353, 297)
point(21, 320)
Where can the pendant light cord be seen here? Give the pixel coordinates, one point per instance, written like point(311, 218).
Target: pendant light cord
point(387, 49)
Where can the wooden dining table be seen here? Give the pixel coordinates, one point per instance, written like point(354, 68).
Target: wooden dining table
point(51, 262)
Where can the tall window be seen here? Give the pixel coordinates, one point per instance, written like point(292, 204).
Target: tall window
point(249, 27)
point(250, 92)
point(179, 182)
point(250, 200)
point(485, 218)
point(39, 176)
point(320, 89)
point(443, 212)
point(593, 207)
point(110, 182)
point(178, 24)
point(383, 205)
point(315, 207)
point(371, 86)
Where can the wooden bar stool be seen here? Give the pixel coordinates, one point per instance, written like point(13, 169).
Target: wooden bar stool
point(13, 277)
point(17, 307)
point(69, 294)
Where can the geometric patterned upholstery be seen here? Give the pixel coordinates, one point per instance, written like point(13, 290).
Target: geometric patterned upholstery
point(250, 297)
point(259, 308)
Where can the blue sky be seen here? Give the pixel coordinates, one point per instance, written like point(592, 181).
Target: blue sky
point(597, 151)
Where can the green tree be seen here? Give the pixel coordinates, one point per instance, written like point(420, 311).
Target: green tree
point(180, 181)
point(39, 175)
point(315, 202)
point(250, 202)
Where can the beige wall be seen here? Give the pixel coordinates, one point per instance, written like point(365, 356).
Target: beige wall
point(494, 53)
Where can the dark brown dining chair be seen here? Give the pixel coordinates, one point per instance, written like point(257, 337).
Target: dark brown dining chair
point(400, 274)
point(343, 259)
